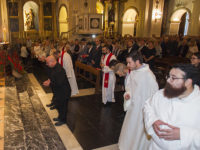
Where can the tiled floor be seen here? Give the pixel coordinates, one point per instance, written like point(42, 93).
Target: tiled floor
point(2, 100)
point(27, 125)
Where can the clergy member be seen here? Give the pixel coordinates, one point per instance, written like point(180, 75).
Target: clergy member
point(62, 91)
point(109, 78)
point(172, 115)
point(66, 62)
point(140, 85)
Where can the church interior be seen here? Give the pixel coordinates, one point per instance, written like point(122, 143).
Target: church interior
point(165, 32)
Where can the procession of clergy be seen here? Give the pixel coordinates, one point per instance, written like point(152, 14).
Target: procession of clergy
point(166, 119)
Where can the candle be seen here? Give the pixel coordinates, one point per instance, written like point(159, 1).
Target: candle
point(4, 34)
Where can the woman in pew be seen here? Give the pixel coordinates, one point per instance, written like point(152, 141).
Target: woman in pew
point(195, 59)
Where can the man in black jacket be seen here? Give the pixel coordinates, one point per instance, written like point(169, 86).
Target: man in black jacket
point(61, 88)
point(131, 47)
point(96, 54)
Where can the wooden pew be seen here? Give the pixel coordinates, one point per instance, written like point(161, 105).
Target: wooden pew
point(82, 70)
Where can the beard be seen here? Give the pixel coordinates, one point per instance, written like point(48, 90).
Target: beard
point(171, 92)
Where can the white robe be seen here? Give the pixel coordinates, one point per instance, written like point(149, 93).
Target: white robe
point(108, 93)
point(183, 113)
point(141, 85)
point(68, 66)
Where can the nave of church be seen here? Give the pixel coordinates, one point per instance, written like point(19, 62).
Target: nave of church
point(93, 41)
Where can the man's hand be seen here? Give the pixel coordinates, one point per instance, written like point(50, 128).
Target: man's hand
point(47, 82)
point(102, 65)
point(93, 62)
point(127, 97)
point(168, 134)
point(156, 126)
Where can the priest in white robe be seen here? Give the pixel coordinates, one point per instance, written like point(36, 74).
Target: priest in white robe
point(109, 79)
point(140, 85)
point(66, 62)
point(172, 114)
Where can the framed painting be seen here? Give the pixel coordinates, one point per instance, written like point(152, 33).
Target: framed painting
point(14, 25)
point(47, 24)
point(47, 9)
point(13, 8)
point(94, 23)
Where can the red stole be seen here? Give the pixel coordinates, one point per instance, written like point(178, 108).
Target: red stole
point(61, 57)
point(107, 74)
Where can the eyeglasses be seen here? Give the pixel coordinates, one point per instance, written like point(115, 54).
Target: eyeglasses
point(173, 78)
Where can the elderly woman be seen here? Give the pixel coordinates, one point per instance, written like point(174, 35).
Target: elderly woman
point(192, 48)
point(121, 69)
point(149, 54)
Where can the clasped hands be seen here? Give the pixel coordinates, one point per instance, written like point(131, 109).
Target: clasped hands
point(47, 82)
point(173, 133)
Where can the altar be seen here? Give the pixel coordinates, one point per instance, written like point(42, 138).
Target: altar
point(4, 45)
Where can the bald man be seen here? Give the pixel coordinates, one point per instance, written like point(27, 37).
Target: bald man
point(60, 87)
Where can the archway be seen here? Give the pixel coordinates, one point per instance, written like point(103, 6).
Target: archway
point(63, 20)
point(99, 7)
point(129, 22)
point(100, 10)
point(179, 22)
point(30, 12)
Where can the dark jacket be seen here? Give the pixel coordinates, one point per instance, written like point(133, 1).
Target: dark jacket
point(96, 56)
point(59, 82)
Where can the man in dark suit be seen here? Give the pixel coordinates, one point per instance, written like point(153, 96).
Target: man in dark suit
point(131, 47)
point(61, 88)
point(90, 53)
point(142, 45)
point(96, 56)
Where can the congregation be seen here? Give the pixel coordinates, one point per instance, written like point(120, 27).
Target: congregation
point(133, 63)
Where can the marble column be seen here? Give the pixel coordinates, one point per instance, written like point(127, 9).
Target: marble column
point(54, 20)
point(148, 18)
point(194, 26)
point(106, 16)
point(41, 20)
point(21, 20)
point(1, 28)
point(116, 8)
point(4, 21)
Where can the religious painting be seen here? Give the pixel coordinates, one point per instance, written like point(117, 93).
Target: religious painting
point(14, 25)
point(80, 24)
point(94, 23)
point(13, 9)
point(47, 9)
point(47, 24)
point(30, 11)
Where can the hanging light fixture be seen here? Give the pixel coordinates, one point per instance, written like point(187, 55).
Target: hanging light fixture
point(157, 14)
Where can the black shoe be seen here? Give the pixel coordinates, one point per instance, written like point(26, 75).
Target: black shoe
point(59, 123)
point(107, 104)
point(49, 105)
point(56, 119)
point(53, 107)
